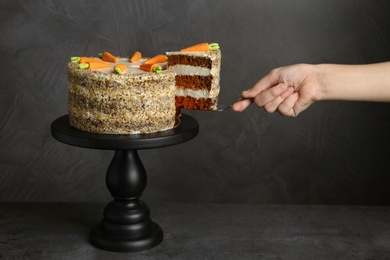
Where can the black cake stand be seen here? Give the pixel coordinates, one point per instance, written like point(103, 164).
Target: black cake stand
point(126, 224)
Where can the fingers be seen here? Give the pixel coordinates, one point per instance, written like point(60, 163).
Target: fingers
point(273, 97)
point(288, 103)
point(276, 91)
point(287, 107)
point(263, 84)
point(270, 99)
point(270, 94)
point(302, 104)
point(240, 106)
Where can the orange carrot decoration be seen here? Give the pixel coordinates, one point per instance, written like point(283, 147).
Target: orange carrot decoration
point(106, 56)
point(151, 67)
point(201, 47)
point(120, 68)
point(161, 58)
point(86, 59)
point(94, 65)
point(90, 59)
point(136, 57)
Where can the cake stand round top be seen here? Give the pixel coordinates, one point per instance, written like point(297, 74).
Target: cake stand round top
point(63, 132)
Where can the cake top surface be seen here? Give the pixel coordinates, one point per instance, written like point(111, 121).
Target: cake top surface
point(136, 76)
point(109, 65)
point(106, 68)
point(132, 67)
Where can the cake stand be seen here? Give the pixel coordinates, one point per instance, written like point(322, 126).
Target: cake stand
point(126, 224)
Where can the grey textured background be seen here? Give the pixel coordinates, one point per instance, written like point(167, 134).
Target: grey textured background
point(334, 153)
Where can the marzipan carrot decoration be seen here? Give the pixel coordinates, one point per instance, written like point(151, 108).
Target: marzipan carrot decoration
point(151, 67)
point(106, 56)
point(120, 68)
point(161, 58)
point(136, 57)
point(202, 47)
point(86, 59)
point(94, 65)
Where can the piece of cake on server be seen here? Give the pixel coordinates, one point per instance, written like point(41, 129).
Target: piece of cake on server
point(197, 76)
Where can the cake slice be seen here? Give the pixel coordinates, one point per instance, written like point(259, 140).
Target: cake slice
point(197, 76)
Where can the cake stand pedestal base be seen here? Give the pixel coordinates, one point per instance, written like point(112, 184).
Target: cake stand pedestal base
point(126, 224)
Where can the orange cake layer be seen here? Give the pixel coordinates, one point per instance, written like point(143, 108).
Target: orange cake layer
point(194, 82)
point(194, 103)
point(180, 59)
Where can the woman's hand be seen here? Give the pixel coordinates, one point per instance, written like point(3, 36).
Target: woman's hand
point(288, 90)
point(292, 89)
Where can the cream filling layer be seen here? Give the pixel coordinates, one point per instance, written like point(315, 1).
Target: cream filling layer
point(192, 93)
point(190, 70)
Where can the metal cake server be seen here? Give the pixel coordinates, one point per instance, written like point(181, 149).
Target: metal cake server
point(223, 107)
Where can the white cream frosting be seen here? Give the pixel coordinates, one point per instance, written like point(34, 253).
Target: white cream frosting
point(192, 93)
point(190, 70)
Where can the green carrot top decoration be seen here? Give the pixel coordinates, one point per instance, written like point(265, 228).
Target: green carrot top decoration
point(151, 67)
point(120, 68)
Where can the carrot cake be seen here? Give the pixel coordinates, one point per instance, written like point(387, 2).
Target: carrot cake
point(119, 96)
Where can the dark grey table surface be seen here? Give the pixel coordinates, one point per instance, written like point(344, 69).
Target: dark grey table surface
point(203, 231)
